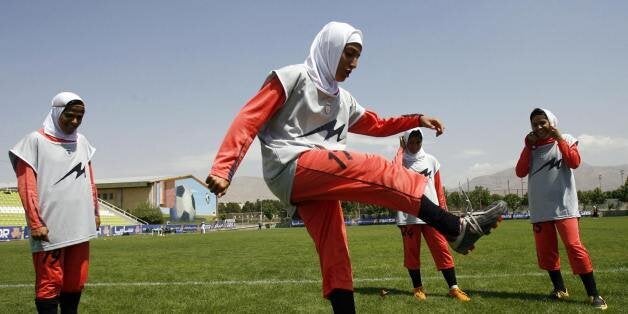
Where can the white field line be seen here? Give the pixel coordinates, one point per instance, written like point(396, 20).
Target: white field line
point(294, 282)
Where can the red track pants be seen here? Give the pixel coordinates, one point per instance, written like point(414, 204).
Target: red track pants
point(61, 270)
point(324, 178)
point(436, 242)
point(547, 245)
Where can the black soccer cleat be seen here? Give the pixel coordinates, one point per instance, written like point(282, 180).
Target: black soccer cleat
point(475, 225)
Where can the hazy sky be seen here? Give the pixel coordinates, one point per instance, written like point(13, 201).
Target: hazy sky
point(164, 79)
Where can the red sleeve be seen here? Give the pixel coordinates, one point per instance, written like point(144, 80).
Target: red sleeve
point(94, 190)
point(372, 125)
point(245, 126)
point(523, 165)
point(571, 156)
point(440, 192)
point(398, 160)
point(27, 188)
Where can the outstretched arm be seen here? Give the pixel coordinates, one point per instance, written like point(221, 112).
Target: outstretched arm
point(372, 125)
point(242, 132)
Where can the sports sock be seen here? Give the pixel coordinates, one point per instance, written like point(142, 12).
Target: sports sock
point(47, 306)
point(342, 301)
point(557, 280)
point(589, 284)
point(450, 277)
point(69, 302)
point(415, 275)
point(448, 224)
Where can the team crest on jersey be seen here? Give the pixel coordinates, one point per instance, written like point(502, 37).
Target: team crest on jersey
point(327, 109)
point(79, 169)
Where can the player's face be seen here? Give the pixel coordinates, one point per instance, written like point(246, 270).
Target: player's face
point(540, 126)
point(71, 118)
point(348, 61)
point(414, 145)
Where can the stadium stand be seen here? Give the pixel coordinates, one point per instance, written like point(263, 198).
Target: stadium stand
point(12, 212)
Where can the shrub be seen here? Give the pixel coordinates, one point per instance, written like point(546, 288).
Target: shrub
point(148, 213)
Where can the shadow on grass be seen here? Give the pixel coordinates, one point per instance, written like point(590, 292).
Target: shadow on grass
point(518, 296)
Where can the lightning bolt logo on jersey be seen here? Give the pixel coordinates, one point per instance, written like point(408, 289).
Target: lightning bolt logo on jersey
point(553, 163)
point(308, 119)
point(329, 129)
point(79, 169)
point(426, 172)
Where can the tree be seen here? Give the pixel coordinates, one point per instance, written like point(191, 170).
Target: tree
point(455, 201)
point(480, 197)
point(524, 200)
point(351, 209)
point(229, 207)
point(513, 201)
point(597, 197)
point(584, 199)
point(249, 207)
point(495, 198)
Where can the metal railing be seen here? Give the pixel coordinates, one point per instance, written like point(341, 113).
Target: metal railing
point(121, 211)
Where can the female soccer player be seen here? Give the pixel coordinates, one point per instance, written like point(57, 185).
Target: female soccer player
point(302, 117)
point(548, 158)
point(56, 186)
point(413, 157)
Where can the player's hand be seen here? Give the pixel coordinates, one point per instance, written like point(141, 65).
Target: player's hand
point(217, 185)
point(531, 138)
point(402, 143)
point(553, 132)
point(97, 222)
point(432, 123)
point(40, 233)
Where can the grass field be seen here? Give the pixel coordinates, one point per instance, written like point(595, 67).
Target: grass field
point(277, 269)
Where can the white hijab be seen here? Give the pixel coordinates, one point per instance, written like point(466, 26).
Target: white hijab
point(550, 117)
point(325, 52)
point(410, 159)
point(51, 123)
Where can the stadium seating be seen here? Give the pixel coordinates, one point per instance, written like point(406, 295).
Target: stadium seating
point(12, 212)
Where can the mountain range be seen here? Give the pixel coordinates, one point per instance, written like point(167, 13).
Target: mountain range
point(245, 188)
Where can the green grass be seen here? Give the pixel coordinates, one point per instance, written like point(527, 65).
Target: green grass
point(277, 270)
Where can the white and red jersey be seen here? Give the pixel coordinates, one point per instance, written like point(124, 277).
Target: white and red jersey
point(428, 166)
point(66, 204)
point(549, 165)
point(290, 116)
point(308, 119)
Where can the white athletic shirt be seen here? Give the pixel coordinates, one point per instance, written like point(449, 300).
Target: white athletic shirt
point(552, 193)
point(309, 119)
point(428, 166)
point(66, 203)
